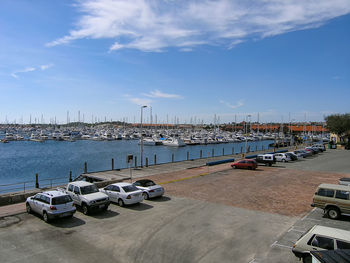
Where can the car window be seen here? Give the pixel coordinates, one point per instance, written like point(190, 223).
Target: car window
point(109, 188)
point(149, 183)
point(342, 195)
point(59, 200)
point(343, 245)
point(129, 188)
point(76, 190)
point(323, 242)
point(70, 188)
point(325, 192)
point(116, 188)
point(137, 184)
point(37, 197)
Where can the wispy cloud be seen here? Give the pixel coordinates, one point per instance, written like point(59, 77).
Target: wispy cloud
point(156, 25)
point(30, 69)
point(159, 94)
point(140, 101)
point(239, 104)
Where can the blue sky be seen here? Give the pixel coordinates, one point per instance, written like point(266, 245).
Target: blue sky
point(186, 59)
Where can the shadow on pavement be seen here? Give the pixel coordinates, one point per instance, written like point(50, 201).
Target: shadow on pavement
point(160, 199)
point(138, 207)
point(67, 222)
point(103, 214)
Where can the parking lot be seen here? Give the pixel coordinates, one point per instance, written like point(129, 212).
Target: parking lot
point(218, 215)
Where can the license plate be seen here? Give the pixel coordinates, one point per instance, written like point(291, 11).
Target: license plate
point(64, 214)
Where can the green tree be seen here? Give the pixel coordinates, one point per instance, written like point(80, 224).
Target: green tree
point(340, 125)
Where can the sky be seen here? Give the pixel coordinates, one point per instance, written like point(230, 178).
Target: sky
point(186, 60)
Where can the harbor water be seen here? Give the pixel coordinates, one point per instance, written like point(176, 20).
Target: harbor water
point(21, 160)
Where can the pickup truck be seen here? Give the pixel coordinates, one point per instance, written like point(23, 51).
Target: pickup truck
point(87, 196)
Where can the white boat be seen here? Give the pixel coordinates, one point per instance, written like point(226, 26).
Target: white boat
point(35, 138)
point(9, 137)
point(148, 141)
point(85, 137)
point(175, 142)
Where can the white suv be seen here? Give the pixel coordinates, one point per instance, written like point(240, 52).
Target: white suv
point(51, 204)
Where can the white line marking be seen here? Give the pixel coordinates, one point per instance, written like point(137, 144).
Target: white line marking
point(253, 261)
point(296, 230)
point(313, 219)
point(279, 245)
point(308, 213)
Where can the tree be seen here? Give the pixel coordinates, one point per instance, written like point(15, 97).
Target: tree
point(340, 125)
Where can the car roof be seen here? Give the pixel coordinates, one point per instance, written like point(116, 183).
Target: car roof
point(121, 184)
point(80, 183)
point(53, 193)
point(335, 187)
point(331, 232)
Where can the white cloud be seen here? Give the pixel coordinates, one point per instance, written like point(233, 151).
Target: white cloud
point(45, 67)
point(140, 101)
point(239, 104)
point(150, 25)
point(30, 69)
point(159, 94)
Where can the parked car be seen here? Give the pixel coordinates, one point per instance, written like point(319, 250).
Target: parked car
point(282, 157)
point(313, 150)
point(344, 181)
point(50, 205)
point(299, 154)
point(123, 193)
point(320, 238)
point(321, 147)
point(292, 156)
point(150, 189)
point(303, 153)
point(267, 159)
point(87, 196)
point(333, 199)
point(245, 164)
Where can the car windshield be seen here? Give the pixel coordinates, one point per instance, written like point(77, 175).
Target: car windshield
point(88, 189)
point(130, 188)
point(59, 200)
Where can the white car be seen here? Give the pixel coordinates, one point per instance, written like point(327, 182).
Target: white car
point(123, 193)
point(320, 238)
point(149, 188)
point(51, 204)
point(282, 157)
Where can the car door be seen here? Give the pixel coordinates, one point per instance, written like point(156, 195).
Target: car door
point(76, 195)
point(116, 192)
point(108, 190)
point(41, 204)
point(342, 201)
point(36, 202)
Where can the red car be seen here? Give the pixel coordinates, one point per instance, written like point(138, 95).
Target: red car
point(245, 163)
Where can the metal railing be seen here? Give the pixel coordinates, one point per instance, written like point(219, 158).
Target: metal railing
point(30, 185)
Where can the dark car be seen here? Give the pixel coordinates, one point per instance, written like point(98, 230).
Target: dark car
point(245, 164)
point(292, 156)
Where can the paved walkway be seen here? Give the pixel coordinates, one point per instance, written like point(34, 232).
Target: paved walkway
point(10, 210)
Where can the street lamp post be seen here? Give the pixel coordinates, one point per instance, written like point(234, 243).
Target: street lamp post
point(246, 137)
point(141, 142)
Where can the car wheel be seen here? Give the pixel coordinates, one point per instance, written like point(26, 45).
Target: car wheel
point(28, 208)
point(307, 259)
point(283, 160)
point(46, 217)
point(85, 209)
point(145, 196)
point(105, 208)
point(333, 213)
point(120, 202)
point(234, 167)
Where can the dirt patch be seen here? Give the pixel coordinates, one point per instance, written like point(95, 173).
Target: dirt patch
point(275, 190)
point(8, 221)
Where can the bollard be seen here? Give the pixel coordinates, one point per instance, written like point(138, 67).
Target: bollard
point(135, 165)
point(36, 181)
point(155, 159)
point(85, 167)
point(200, 154)
point(188, 156)
point(172, 158)
point(212, 152)
point(146, 161)
point(112, 164)
point(223, 151)
point(70, 176)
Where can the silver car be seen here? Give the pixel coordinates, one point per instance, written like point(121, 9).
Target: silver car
point(50, 205)
point(149, 188)
point(123, 193)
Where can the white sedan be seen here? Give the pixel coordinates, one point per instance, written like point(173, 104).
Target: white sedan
point(149, 188)
point(123, 193)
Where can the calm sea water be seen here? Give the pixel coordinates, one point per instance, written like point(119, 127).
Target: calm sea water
point(20, 160)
